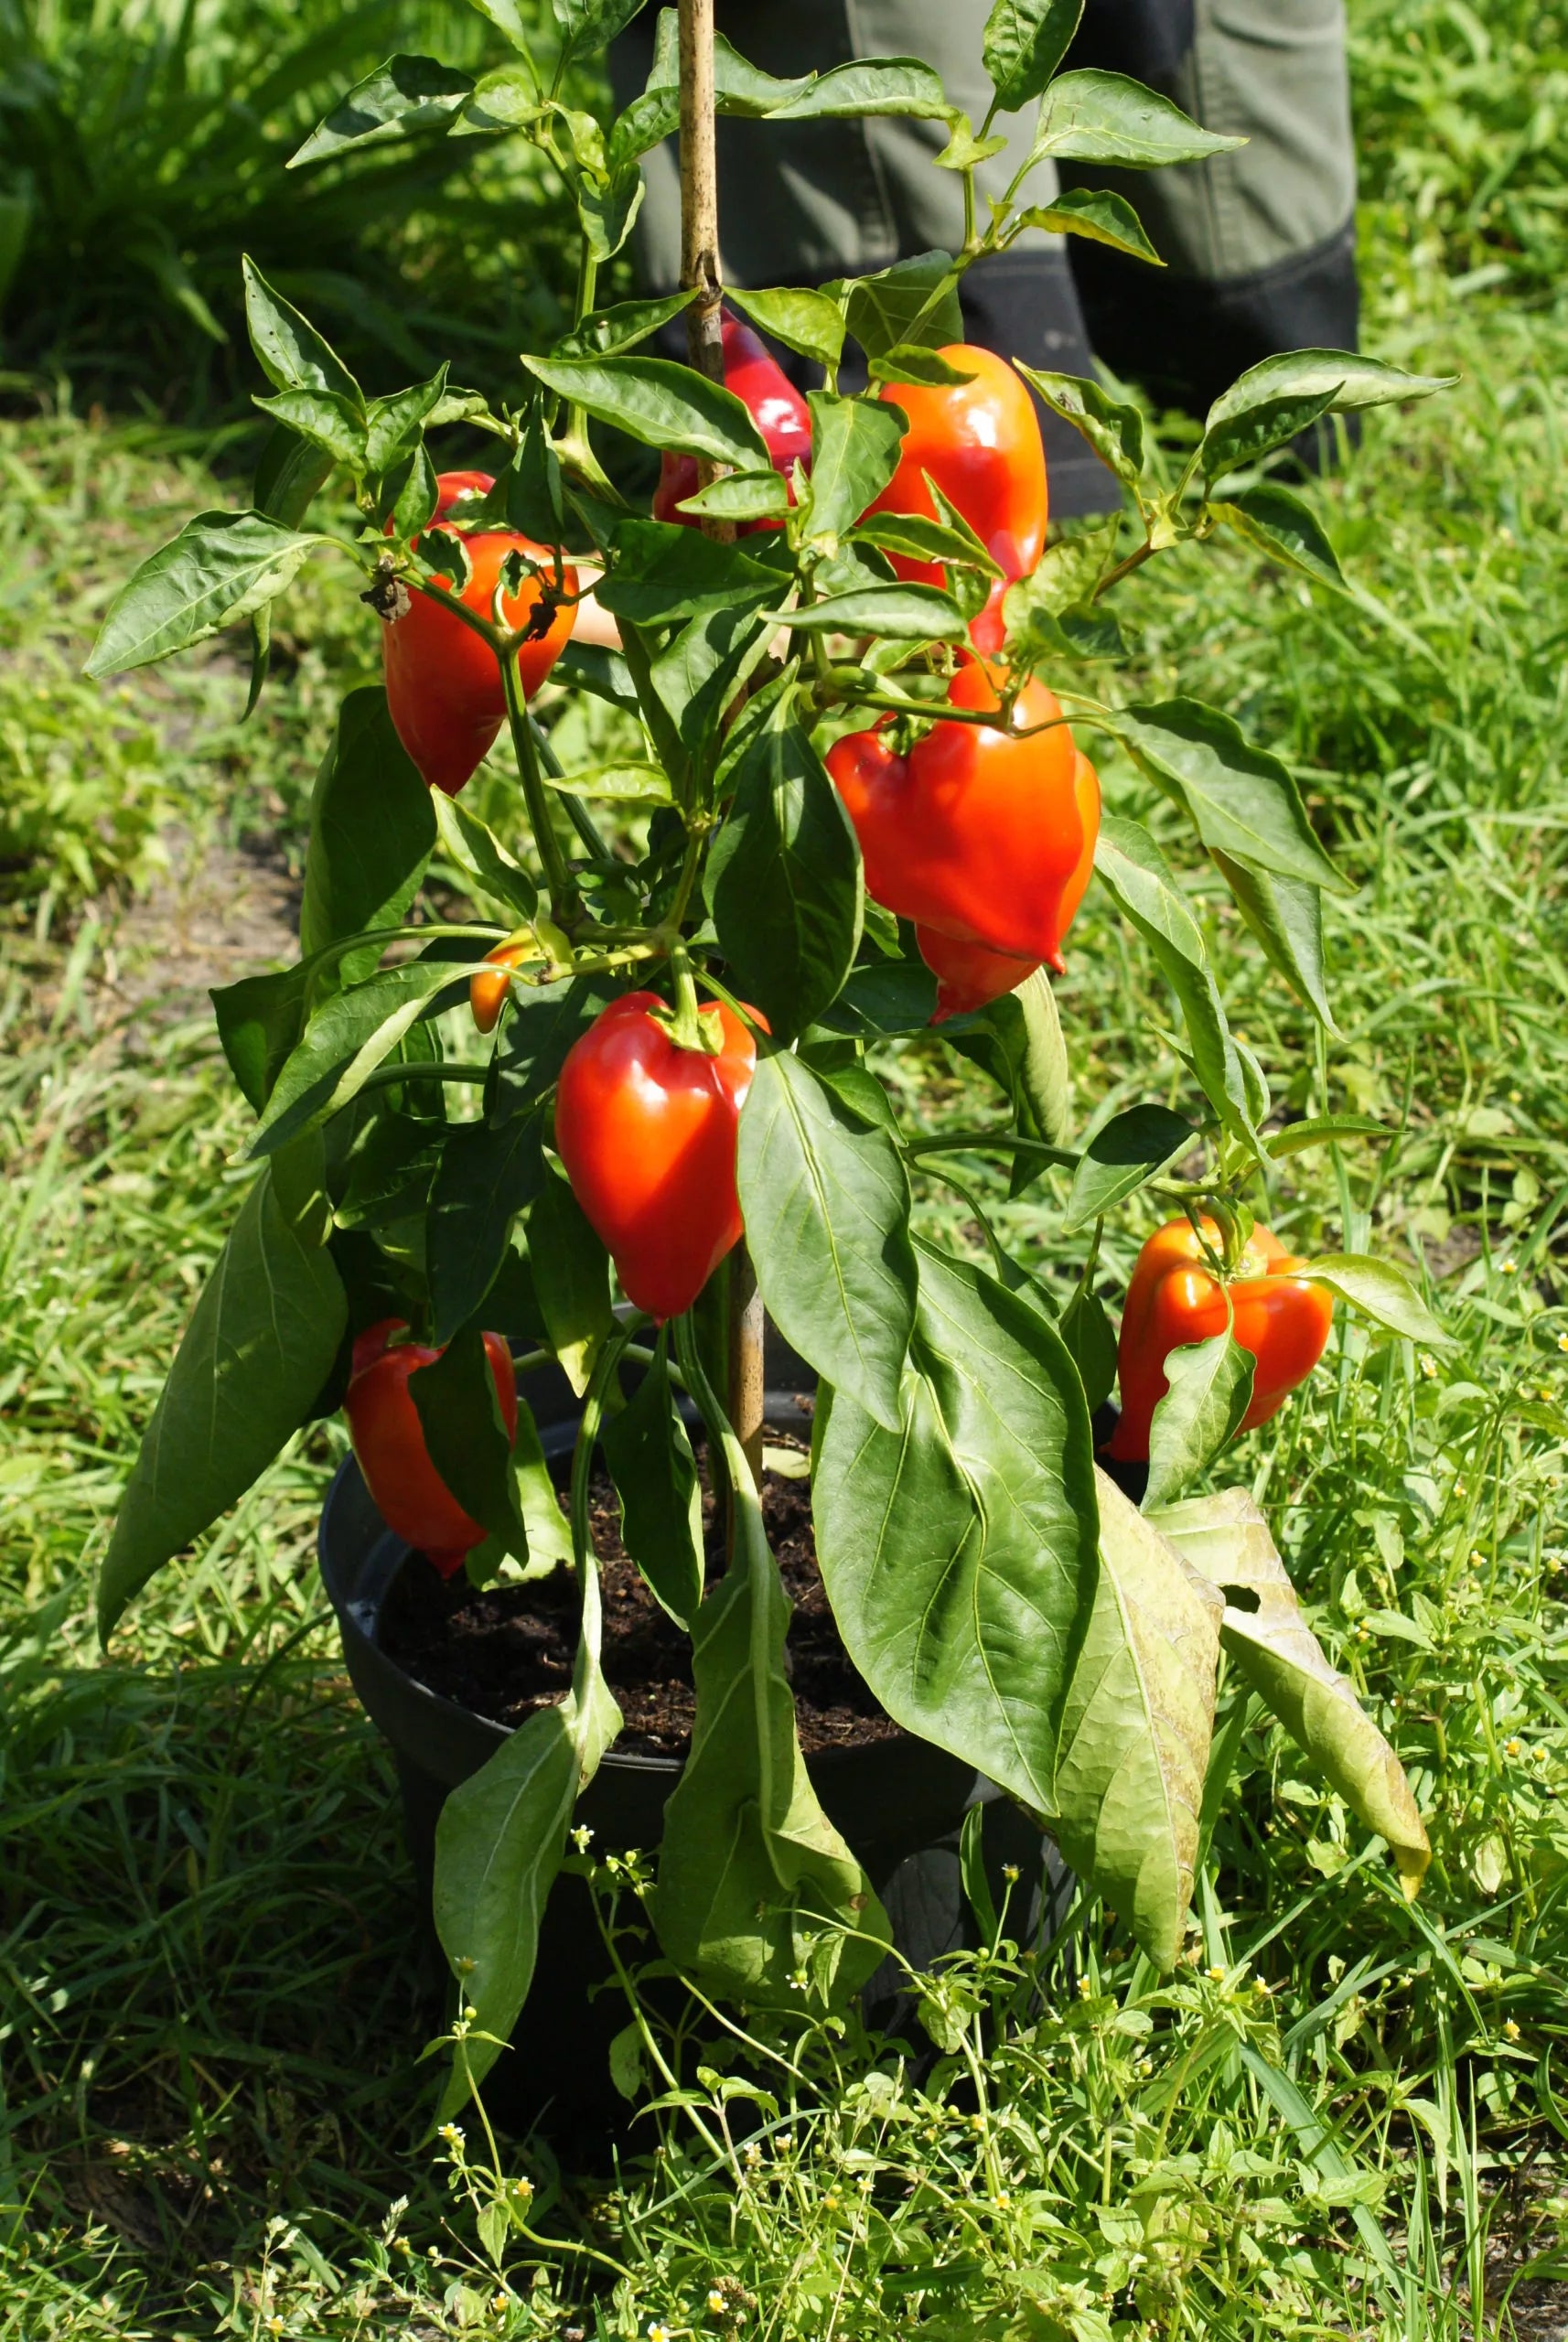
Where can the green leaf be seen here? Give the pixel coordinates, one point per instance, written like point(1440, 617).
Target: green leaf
point(333, 424)
point(1043, 1080)
point(856, 448)
point(544, 1025)
point(571, 1280)
point(385, 1173)
point(605, 333)
point(1226, 1539)
point(921, 540)
point(393, 425)
point(290, 474)
point(608, 213)
point(404, 95)
point(488, 1174)
point(907, 361)
point(1278, 522)
point(290, 353)
point(1209, 1390)
point(826, 1202)
point(459, 1412)
point(1246, 435)
point(1093, 117)
point(1380, 1292)
point(1119, 1156)
point(1322, 1129)
point(220, 567)
point(1135, 1737)
point(588, 27)
point(260, 1344)
point(1023, 43)
point(1243, 799)
point(664, 573)
point(1286, 916)
point(901, 305)
point(1130, 864)
point(480, 856)
point(895, 613)
point(1089, 1340)
point(957, 1542)
point(784, 880)
point(1104, 217)
point(809, 323)
point(499, 1841)
point(740, 496)
point(662, 405)
point(260, 1020)
point(870, 85)
point(616, 784)
point(1114, 431)
point(589, 667)
point(371, 834)
point(655, 1474)
point(345, 1039)
point(751, 1869)
point(508, 17)
point(1349, 379)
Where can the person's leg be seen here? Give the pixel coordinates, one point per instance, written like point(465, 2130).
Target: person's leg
point(1260, 243)
point(800, 202)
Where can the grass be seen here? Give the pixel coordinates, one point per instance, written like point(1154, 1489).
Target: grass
point(212, 1994)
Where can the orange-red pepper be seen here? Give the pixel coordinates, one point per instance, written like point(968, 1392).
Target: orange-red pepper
point(389, 1442)
point(1175, 1298)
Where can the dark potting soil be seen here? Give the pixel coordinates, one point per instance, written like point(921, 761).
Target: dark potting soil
point(505, 1651)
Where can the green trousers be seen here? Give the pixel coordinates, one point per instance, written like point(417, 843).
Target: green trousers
point(1259, 243)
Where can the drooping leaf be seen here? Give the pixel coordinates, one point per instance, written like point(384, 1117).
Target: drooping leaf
point(1043, 1080)
point(1115, 431)
point(957, 1544)
point(784, 880)
point(605, 333)
point(260, 1344)
point(1100, 215)
point(1321, 1130)
point(588, 27)
point(1226, 1538)
point(395, 424)
point(1286, 916)
point(1134, 870)
point(260, 1020)
point(870, 85)
point(371, 833)
point(345, 1039)
point(1280, 524)
point(488, 1174)
point(572, 1279)
point(1023, 43)
point(855, 446)
point(220, 567)
point(826, 1201)
point(482, 856)
point(405, 95)
point(912, 301)
point(460, 1416)
point(896, 613)
point(739, 496)
point(499, 1841)
point(1119, 1156)
point(662, 405)
point(1090, 1340)
point(807, 322)
point(655, 1473)
point(1349, 379)
point(1245, 436)
point(1243, 799)
point(1095, 117)
point(1381, 1291)
point(1210, 1388)
point(1140, 1715)
point(754, 1881)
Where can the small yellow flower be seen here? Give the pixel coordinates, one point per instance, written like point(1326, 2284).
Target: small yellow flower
point(1002, 2201)
point(452, 2135)
point(656, 2333)
point(1538, 1756)
point(523, 2189)
point(832, 2199)
point(1084, 1988)
point(1458, 1487)
point(1428, 1366)
point(1508, 1268)
point(1514, 1748)
point(1563, 1342)
point(1510, 2031)
point(1010, 1873)
point(1260, 1986)
point(716, 2302)
point(501, 2303)
point(1216, 1975)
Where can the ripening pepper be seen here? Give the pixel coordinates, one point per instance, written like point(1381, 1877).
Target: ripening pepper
point(968, 975)
point(647, 1131)
point(775, 406)
point(980, 442)
point(977, 832)
point(444, 682)
point(389, 1442)
point(490, 982)
point(1174, 1299)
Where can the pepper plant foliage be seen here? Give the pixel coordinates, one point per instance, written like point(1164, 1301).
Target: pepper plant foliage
point(999, 1594)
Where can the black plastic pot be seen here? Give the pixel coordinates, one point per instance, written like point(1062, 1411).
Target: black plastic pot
point(898, 1803)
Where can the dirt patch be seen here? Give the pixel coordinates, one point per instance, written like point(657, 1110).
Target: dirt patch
point(505, 1651)
point(220, 914)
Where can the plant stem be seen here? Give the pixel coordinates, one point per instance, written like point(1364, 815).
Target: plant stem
point(748, 1326)
point(700, 191)
point(566, 902)
point(578, 813)
point(976, 1142)
point(386, 1077)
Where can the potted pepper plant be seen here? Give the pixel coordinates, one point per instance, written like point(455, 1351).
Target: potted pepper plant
point(638, 1085)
